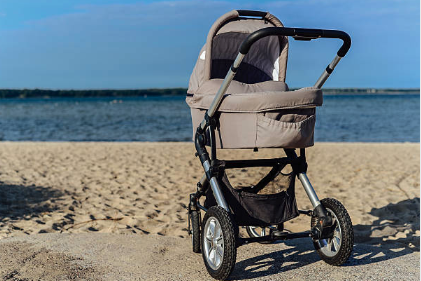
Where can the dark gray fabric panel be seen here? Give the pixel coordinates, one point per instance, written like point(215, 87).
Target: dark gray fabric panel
point(247, 73)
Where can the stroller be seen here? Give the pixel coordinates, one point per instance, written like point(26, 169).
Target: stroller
point(239, 99)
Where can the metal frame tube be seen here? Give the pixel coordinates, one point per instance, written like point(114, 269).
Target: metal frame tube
point(325, 75)
point(232, 164)
point(334, 62)
point(309, 189)
point(203, 180)
point(220, 199)
point(206, 165)
point(322, 79)
point(223, 89)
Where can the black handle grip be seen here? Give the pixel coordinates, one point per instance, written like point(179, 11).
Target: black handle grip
point(248, 13)
point(300, 33)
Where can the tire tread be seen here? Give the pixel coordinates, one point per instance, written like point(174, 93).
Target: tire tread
point(195, 225)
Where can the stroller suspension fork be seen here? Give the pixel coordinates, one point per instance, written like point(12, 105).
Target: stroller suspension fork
point(318, 209)
point(311, 193)
point(299, 165)
point(323, 227)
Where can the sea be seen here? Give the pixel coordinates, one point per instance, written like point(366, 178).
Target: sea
point(342, 118)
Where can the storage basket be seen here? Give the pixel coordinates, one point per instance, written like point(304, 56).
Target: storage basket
point(262, 208)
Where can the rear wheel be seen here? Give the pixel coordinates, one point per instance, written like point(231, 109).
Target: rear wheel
point(195, 230)
point(257, 231)
point(218, 243)
point(337, 249)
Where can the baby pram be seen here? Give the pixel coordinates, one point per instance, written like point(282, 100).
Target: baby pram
point(239, 99)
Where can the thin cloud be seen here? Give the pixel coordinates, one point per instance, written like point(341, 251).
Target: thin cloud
point(155, 13)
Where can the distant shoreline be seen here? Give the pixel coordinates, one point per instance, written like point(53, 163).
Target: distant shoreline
point(46, 93)
point(370, 91)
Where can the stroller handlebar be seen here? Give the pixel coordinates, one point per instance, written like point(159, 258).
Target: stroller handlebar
point(298, 34)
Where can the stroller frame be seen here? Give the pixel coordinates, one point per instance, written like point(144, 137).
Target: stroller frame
point(213, 167)
point(299, 166)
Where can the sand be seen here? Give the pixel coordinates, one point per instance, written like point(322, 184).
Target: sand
point(106, 256)
point(139, 192)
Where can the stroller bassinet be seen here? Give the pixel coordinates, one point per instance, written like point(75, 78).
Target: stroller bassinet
point(258, 110)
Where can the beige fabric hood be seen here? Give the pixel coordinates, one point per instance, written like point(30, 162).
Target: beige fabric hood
point(267, 57)
point(257, 110)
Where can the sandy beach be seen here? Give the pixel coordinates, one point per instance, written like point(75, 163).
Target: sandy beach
point(68, 201)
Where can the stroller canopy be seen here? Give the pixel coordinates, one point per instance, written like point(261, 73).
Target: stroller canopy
point(266, 60)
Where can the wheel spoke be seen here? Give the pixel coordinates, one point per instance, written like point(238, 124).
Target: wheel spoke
point(219, 251)
point(217, 260)
point(331, 246)
point(208, 235)
point(213, 257)
point(337, 232)
point(336, 241)
point(212, 228)
point(210, 232)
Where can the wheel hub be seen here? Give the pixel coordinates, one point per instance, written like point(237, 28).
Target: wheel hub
point(214, 243)
point(330, 246)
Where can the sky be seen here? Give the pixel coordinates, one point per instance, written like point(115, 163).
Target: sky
point(127, 44)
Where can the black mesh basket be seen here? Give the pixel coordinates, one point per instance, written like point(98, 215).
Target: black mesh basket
point(259, 206)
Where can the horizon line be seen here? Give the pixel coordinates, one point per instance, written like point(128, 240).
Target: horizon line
point(170, 88)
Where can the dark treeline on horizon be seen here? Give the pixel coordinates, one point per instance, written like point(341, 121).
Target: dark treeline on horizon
point(44, 93)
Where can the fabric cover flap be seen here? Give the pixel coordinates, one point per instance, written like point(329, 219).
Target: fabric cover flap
point(258, 97)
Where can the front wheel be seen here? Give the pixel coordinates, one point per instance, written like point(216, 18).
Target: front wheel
point(218, 243)
point(337, 249)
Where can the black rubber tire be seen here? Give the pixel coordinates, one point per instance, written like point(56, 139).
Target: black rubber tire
point(252, 235)
point(347, 233)
point(229, 237)
point(195, 230)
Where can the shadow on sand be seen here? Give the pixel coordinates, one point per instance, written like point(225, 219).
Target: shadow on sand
point(19, 202)
point(392, 218)
point(370, 247)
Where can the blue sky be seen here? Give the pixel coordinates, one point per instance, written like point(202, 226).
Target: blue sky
point(98, 44)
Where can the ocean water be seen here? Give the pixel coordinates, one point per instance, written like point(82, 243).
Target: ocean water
point(342, 118)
